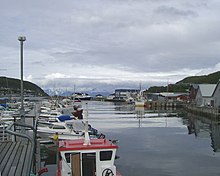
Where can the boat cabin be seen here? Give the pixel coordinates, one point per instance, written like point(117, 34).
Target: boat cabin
point(95, 158)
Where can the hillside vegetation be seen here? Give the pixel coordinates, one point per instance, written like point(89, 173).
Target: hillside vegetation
point(212, 78)
point(183, 85)
point(15, 85)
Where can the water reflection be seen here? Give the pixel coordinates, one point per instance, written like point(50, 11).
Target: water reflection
point(140, 112)
point(215, 136)
point(205, 128)
point(201, 127)
point(123, 115)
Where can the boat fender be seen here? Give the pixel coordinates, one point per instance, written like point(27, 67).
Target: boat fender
point(41, 171)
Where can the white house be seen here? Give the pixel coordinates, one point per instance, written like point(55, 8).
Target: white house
point(204, 96)
point(216, 95)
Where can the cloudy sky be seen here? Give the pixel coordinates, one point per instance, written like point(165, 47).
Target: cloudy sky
point(107, 44)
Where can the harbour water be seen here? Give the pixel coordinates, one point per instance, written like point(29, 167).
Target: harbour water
point(155, 144)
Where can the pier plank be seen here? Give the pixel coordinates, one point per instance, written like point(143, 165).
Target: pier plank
point(21, 164)
point(14, 158)
point(10, 158)
point(2, 145)
point(28, 153)
point(16, 161)
point(7, 151)
point(4, 151)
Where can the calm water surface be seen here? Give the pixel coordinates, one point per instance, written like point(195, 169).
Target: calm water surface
point(156, 145)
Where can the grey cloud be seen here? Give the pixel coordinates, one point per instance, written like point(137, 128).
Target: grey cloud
point(125, 38)
point(173, 12)
point(40, 63)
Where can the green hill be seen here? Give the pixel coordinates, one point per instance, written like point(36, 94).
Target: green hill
point(183, 85)
point(13, 85)
point(212, 78)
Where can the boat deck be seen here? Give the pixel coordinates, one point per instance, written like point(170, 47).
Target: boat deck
point(15, 158)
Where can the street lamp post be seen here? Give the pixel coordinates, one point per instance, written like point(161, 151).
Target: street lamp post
point(22, 39)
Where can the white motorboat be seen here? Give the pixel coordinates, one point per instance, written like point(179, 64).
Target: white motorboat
point(81, 96)
point(68, 129)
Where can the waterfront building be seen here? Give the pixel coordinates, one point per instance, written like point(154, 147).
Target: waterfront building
point(204, 96)
point(216, 96)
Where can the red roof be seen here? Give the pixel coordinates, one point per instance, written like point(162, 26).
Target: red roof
point(77, 144)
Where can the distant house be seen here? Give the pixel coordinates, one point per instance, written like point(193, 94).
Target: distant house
point(216, 96)
point(172, 96)
point(167, 96)
point(154, 97)
point(204, 96)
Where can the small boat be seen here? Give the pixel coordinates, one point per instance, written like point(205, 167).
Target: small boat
point(140, 100)
point(81, 157)
point(69, 129)
point(140, 103)
point(81, 96)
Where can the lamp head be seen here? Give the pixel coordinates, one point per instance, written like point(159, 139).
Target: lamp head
point(21, 38)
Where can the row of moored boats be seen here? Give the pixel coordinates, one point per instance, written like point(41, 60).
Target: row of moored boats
point(82, 150)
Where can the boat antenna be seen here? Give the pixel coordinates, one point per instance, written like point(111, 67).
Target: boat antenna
point(86, 137)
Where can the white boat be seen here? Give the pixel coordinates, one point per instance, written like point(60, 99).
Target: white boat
point(140, 103)
point(69, 129)
point(81, 96)
point(140, 100)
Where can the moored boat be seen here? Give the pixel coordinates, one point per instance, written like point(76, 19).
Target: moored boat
point(69, 129)
point(140, 103)
point(87, 158)
point(81, 96)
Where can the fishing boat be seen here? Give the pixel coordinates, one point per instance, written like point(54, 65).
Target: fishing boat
point(86, 157)
point(80, 158)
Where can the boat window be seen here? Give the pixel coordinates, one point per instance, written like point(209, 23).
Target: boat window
point(105, 155)
point(52, 120)
point(67, 156)
point(58, 127)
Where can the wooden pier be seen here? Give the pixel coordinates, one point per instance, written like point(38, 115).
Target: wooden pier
point(15, 158)
point(17, 155)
